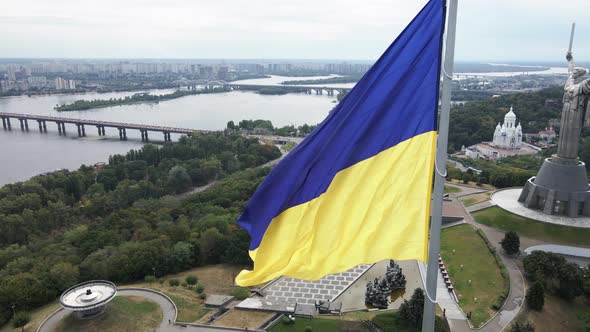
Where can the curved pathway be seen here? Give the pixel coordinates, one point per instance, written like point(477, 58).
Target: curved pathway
point(168, 307)
point(515, 299)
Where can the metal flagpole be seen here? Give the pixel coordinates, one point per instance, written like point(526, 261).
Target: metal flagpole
point(440, 162)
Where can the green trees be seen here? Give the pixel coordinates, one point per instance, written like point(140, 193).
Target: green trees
point(555, 274)
point(178, 179)
point(411, 312)
point(522, 327)
point(212, 246)
point(183, 256)
point(121, 221)
point(240, 293)
point(535, 297)
point(191, 280)
point(511, 243)
point(63, 275)
point(21, 319)
point(80, 105)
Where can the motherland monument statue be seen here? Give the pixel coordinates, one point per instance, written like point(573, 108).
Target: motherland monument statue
point(561, 186)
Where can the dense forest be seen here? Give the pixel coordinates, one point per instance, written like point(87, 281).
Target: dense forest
point(127, 219)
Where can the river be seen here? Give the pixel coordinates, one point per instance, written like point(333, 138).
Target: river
point(25, 154)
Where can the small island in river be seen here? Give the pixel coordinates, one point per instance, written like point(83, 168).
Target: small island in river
point(146, 97)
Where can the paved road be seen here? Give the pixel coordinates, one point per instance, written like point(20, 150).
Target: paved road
point(168, 310)
point(515, 299)
point(480, 206)
point(200, 189)
point(465, 189)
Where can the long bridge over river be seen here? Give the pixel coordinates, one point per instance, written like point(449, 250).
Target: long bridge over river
point(319, 90)
point(121, 126)
point(307, 89)
point(82, 123)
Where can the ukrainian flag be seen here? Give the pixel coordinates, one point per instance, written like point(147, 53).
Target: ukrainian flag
point(357, 189)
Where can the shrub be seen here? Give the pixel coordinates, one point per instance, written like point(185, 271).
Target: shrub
point(202, 296)
point(511, 243)
point(20, 319)
point(184, 284)
point(535, 296)
point(287, 320)
point(411, 312)
point(199, 288)
point(522, 327)
point(173, 282)
point(308, 329)
point(240, 293)
point(149, 278)
point(191, 280)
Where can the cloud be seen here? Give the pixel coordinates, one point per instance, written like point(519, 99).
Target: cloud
point(345, 29)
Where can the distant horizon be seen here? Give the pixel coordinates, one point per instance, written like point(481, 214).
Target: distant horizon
point(313, 60)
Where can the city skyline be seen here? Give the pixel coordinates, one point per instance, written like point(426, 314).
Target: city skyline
point(528, 31)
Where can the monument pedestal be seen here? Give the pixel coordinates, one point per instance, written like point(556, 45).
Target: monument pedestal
point(560, 188)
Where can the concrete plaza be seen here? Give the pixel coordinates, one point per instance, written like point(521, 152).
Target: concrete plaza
point(507, 199)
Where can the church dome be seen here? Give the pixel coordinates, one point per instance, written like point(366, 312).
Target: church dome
point(510, 115)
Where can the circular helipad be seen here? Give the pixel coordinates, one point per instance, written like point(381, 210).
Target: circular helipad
point(88, 298)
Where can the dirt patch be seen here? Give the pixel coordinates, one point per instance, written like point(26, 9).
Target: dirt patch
point(244, 318)
point(557, 315)
point(475, 198)
point(217, 279)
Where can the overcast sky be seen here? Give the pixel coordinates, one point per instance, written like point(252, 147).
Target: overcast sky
point(498, 30)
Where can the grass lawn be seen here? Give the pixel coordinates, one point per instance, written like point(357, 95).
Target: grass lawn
point(461, 245)
point(37, 316)
point(317, 324)
point(217, 279)
point(558, 315)
point(388, 323)
point(506, 221)
point(451, 190)
point(123, 314)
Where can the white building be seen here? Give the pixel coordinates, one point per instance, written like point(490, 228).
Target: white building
point(507, 141)
point(508, 135)
point(61, 84)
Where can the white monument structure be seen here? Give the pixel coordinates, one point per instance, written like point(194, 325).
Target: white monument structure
point(88, 299)
point(508, 135)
